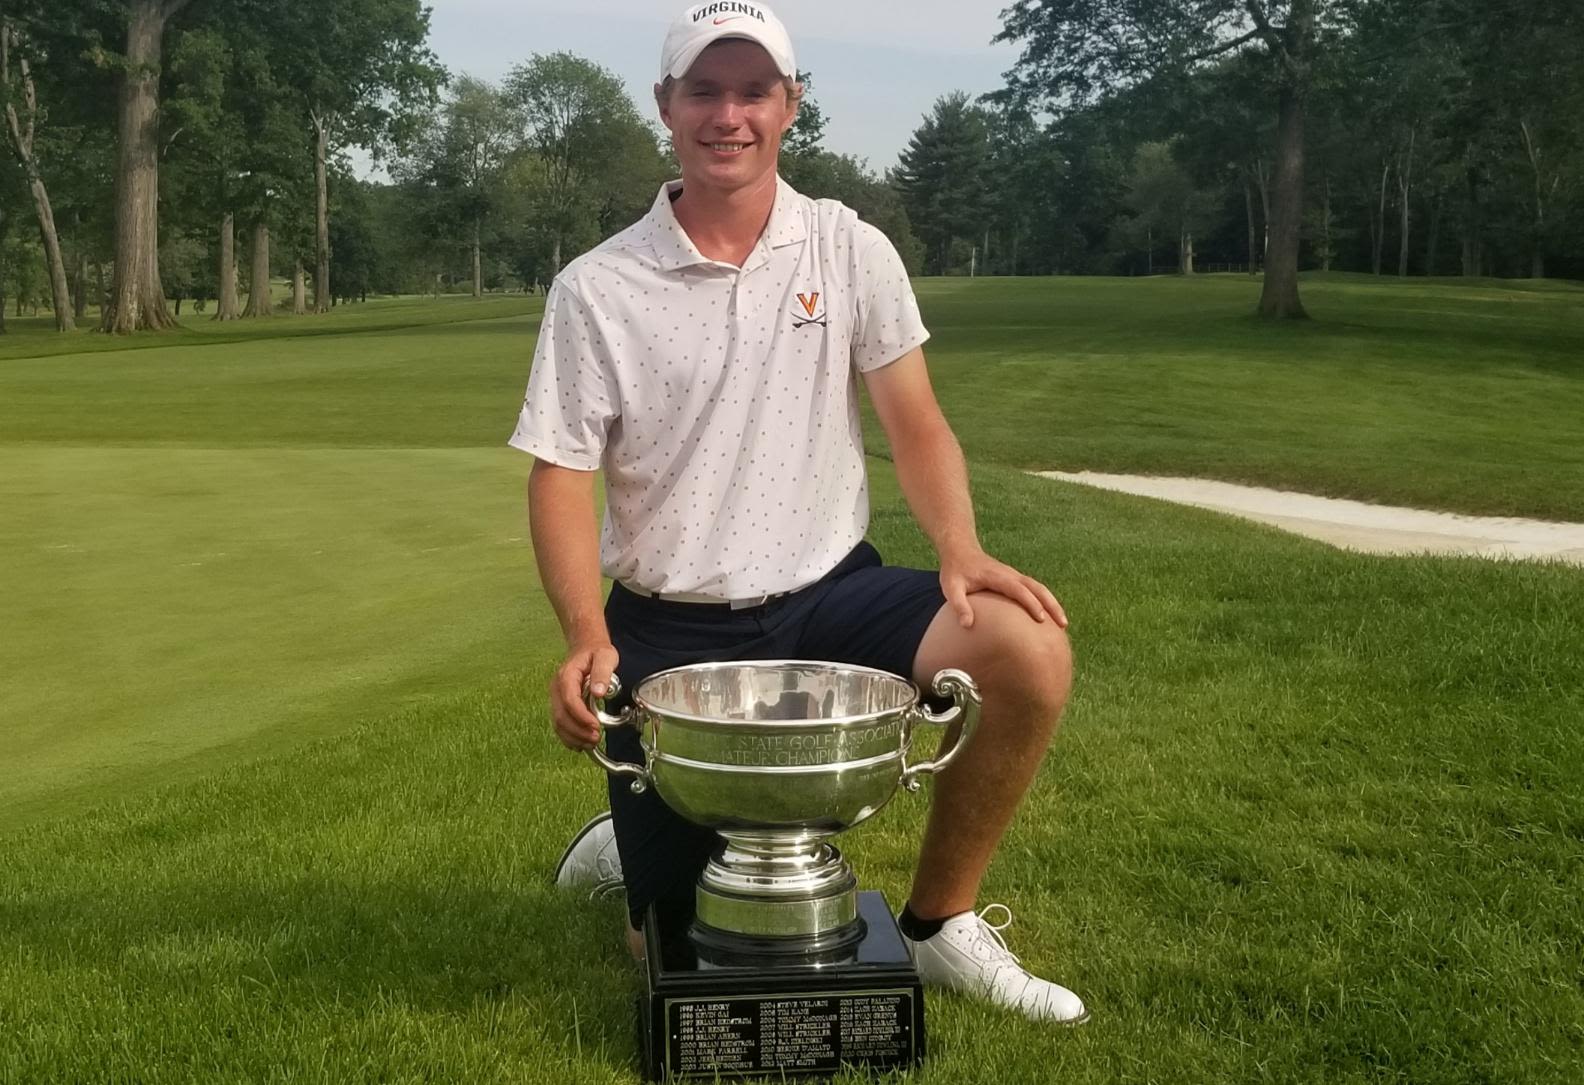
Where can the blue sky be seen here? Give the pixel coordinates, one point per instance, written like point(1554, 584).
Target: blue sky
point(877, 65)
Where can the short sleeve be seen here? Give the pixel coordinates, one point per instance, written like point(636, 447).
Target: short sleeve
point(889, 324)
point(572, 395)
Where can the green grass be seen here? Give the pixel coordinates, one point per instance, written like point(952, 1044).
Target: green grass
point(1313, 816)
point(1459, 397)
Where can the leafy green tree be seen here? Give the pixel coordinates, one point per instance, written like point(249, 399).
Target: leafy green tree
point(808, 128)
point(943, 179)
point(1077, 50)
point(364, 76)
point(184, 270)
point(577, 125)
point(1166, 203)
point(236, 148)
point(459, 159)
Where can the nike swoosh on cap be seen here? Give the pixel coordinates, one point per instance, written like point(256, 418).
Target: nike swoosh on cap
point(728, 19)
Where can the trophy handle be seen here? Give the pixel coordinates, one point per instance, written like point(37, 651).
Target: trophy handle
point(965, 707)
point(638, 773)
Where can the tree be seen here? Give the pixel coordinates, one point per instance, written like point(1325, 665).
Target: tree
point(1527, 65)
point(204, 110)
point(459, 159)
point(1075, 50)
point(808, 127)
point(137, 300)
point(21, 125)
point(942, 178)
point(364, 76)
point(576, 118)
point(1165, 201)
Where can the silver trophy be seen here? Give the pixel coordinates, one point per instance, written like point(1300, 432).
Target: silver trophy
point(778, 757)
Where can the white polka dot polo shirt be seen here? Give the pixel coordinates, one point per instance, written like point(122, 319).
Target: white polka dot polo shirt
point(721, 402)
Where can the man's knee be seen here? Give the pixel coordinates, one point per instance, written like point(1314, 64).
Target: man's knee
point(1038, 666)
point(1019, 659)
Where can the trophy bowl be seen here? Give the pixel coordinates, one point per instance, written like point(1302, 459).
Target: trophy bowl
point(778, 756)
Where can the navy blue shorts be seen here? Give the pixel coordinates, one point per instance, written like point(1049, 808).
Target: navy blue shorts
point(862, 612)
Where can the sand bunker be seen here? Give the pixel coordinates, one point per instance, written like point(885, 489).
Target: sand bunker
point(1375, 529)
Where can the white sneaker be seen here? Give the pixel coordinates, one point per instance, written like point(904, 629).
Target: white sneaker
point(591, 861)
point(968, 954)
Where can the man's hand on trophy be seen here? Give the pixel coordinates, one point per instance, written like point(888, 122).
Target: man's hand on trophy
point(586, 666)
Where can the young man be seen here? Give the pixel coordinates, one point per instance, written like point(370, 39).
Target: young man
point(706, 360)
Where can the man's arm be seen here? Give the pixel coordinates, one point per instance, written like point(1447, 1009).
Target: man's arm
point(934, 479)
point(566, 545)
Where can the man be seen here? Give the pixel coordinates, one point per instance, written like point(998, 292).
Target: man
point(706, 360)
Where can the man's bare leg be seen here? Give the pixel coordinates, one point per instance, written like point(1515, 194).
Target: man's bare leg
point(1024, 672)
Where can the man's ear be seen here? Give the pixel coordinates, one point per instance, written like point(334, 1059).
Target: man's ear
point(792, 116)
point(663, 104)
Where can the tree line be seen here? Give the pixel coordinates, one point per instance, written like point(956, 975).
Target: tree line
point(163, 151)
point(1415, 137)
point(171, 151)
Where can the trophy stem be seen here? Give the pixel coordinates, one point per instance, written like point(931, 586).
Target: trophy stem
point(769, 891)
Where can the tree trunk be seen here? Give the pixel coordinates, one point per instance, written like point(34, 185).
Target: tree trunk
point(1537, 235)
point(22, 141)
point(1471, 219)
point(1185, 252)
point(321, 127)
point(137, 300)
point(80, 295)
point(1378, 223)
point(226, 304)
point(1262, 175)
point(1433, 238)
point(478, 264)
point(1327, 250)
point(259, 292)
point(1402, 245)
point(555, 259)
point(1405, 189)
point(1279, 295)
point(60, 297)
point(1248, 206)
point(299, 290)
point(1149, 255)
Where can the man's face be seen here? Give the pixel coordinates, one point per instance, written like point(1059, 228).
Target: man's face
point(727, 115)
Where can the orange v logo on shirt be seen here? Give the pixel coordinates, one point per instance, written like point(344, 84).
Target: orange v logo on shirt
point(809, 302)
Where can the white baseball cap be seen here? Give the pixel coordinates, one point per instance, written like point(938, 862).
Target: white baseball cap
point(703, 24)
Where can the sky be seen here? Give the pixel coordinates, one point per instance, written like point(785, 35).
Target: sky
point(877, 65)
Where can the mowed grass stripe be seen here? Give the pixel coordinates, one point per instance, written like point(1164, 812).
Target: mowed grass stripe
point(35, 337)
point(425, 386)
point(1293, 831)
point(1437, 395)
point(184, 608)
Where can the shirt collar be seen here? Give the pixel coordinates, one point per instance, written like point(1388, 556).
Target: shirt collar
point(675, 249)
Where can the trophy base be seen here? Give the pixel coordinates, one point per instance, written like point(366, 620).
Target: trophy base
point(708, 1015)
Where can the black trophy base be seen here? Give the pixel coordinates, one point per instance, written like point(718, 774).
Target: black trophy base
point(734, 1016)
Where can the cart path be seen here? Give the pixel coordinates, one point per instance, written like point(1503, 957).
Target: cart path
point(1356, 525)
